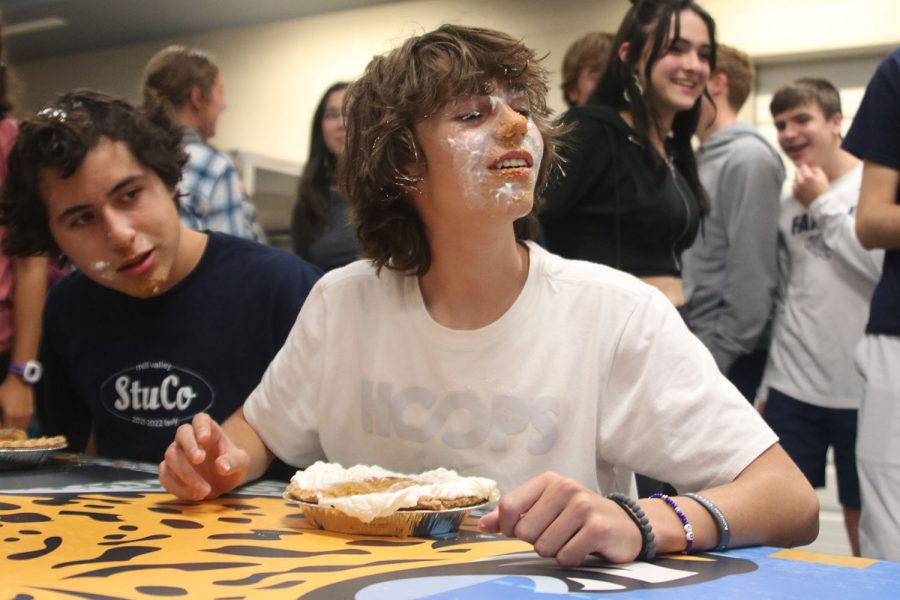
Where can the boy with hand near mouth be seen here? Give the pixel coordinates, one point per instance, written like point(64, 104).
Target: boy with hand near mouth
point(160, 322)
point(813, 388)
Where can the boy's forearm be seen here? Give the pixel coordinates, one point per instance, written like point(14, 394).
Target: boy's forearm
point(242, 435)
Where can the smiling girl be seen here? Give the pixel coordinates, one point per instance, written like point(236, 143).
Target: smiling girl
point(631, 197)
point(460, 344)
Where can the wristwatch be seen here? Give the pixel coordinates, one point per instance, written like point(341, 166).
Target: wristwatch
point(30, 371)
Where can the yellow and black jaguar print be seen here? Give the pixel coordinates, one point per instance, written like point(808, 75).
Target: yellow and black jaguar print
point(149, 545)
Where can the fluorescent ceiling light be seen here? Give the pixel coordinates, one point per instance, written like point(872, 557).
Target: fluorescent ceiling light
point(33, 26)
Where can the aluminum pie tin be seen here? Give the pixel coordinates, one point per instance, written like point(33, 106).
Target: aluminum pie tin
point(26, 458)
point(403, 523)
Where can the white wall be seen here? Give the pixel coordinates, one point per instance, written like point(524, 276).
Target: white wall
point(274, 74)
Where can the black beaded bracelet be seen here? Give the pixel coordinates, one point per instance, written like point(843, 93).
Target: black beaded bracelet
point(636, 513)
point(718, 517)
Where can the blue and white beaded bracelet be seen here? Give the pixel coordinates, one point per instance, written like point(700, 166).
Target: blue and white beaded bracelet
point(688, 529)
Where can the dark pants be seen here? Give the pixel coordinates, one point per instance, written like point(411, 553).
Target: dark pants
point(746, 372)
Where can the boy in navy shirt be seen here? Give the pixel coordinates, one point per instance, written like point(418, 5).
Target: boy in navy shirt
point(160, 322)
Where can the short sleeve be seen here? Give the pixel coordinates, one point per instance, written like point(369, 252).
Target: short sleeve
point(668, 412)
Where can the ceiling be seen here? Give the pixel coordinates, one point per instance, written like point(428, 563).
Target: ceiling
point(30, 32)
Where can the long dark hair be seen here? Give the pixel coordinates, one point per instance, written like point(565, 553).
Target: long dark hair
point(311, 209)
point(648, 21)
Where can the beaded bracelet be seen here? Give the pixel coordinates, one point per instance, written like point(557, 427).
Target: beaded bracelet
point(717, 515)
point(688, 529)
point(636, 513)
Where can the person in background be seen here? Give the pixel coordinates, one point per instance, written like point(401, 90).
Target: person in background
point(631, 197)
point(875, 138)
point(320, 221)
point(813, 387)
point(23, 287)
point(731, 271)
point(190, 85)
point(583, 65)
point(461, 344)
point(160, 322)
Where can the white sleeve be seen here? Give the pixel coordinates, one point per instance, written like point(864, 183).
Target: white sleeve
point(668, 412)
point(283, 408)
point(838, 227)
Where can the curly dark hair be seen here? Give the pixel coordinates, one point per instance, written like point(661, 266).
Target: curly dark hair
point(59, 137)
point(400, 89)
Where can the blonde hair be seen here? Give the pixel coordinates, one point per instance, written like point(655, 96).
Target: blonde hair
point(173, 73)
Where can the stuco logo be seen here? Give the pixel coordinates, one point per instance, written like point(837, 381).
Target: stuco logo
point(156, 394)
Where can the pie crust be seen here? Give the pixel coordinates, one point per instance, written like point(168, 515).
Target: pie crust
point(17, 439)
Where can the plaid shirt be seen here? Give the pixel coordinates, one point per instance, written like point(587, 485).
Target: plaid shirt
point(211, 197)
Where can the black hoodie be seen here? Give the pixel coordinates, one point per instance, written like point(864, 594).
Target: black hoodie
point(611, 206)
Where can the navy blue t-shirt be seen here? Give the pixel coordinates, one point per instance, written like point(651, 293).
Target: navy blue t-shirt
point(131, 370)
point(875, 137)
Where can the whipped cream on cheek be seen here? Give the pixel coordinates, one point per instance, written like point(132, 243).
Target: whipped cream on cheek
point(104, 269)
point(148, 285)
point(474, 149)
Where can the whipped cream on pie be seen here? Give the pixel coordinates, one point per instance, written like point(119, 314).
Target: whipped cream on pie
point(368, 492)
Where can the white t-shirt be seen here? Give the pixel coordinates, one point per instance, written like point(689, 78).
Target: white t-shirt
point(590, 373)
point(827, 280)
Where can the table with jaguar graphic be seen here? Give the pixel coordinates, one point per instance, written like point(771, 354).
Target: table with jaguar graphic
point(105, 530)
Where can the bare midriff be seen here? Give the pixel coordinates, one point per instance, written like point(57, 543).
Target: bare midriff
point(672, 287)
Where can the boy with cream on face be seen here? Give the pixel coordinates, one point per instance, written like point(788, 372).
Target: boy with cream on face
point(149, 331)
point(460, 344)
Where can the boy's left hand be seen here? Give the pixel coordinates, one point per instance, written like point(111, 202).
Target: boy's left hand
point(565, 520)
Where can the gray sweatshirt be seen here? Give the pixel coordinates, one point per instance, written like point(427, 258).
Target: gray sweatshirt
point(731, 271)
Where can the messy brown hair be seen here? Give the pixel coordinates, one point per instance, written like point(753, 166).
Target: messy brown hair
point(803, 91)
point(739, 71)
point(591, 50)
point(401, 88)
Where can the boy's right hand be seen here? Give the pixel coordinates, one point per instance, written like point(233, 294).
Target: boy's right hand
point(202, 462)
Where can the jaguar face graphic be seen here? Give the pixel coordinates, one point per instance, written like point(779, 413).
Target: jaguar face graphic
point(150, 545)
